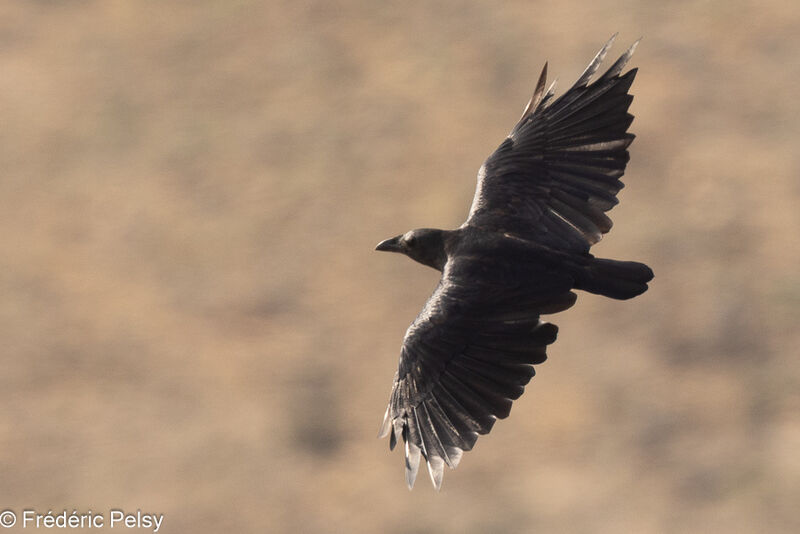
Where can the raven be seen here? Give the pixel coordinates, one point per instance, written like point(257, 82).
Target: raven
point(539, 206)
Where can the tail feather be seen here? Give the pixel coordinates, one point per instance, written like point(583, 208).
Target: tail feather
point(616, 279)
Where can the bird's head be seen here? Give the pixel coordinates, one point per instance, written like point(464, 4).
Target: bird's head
point(425, 245)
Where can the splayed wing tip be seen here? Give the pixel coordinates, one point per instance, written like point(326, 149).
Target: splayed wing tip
point(412, 464)
point(538, 95)
point(455, 454)
point(386, 425)
point(552, 89)
point(618, 65)
point(595, 63)
point(436, 471)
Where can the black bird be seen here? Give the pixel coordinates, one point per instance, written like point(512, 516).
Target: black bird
point(539, 206)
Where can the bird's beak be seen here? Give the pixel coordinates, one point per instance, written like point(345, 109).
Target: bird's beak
point(390, 245)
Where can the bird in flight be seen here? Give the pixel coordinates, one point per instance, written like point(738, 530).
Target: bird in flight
point(539, 206)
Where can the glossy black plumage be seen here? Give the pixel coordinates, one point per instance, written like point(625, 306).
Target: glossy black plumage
point(540, 204)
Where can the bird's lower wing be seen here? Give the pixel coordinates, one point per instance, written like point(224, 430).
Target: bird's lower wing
point(465, 358)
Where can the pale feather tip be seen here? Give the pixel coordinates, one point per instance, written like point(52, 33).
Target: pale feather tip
point(436, 471)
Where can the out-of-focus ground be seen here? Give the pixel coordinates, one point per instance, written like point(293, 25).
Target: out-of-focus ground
point(193, 320)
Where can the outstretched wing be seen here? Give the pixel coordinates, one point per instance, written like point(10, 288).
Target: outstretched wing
point(558, 171)
point(467, 355)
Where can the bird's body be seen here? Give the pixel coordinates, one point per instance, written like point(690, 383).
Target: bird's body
point(540, 204)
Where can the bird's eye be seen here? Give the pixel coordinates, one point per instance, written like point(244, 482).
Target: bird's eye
point(410, 240)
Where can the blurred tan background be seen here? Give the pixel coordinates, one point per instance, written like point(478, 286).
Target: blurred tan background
point(193, 320)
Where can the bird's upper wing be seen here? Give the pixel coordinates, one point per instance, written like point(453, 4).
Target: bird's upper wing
point(558, 171)
point(468, 354)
